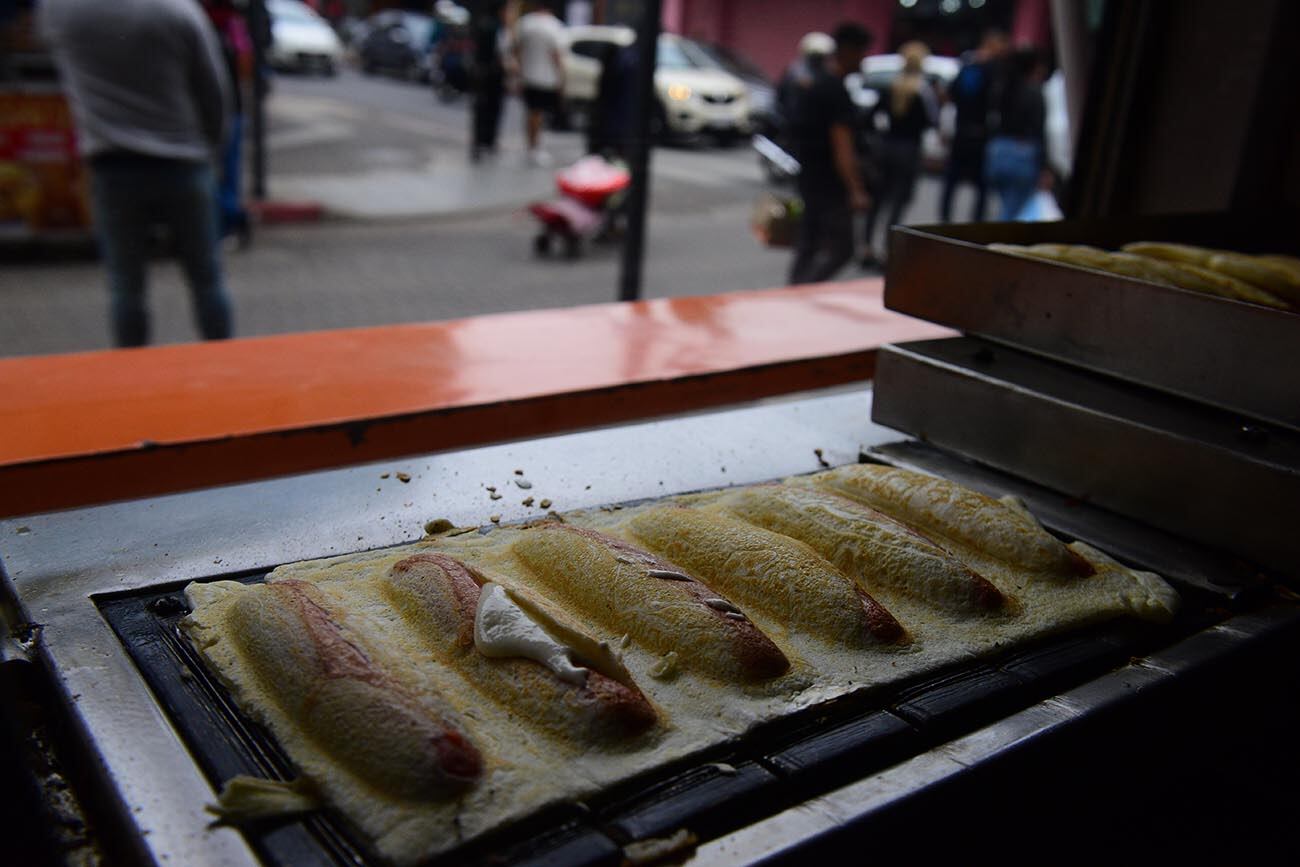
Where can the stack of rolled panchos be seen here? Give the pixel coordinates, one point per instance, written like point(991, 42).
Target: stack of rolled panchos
point(433, 692)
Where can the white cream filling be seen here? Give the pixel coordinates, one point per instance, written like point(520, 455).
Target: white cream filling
point(503, 629)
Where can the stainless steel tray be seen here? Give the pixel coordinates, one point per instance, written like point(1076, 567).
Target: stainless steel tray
point(1236, 356)
point(1168, 462)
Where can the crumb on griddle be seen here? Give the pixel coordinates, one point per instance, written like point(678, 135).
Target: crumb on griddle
point(403, 478)
point(545, 504)
point(527, 501)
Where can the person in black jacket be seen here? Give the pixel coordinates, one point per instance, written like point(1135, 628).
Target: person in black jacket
point(830, 179)
point(911, 107)
point(489, 79)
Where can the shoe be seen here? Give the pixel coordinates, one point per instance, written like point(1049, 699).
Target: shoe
point(539, 158)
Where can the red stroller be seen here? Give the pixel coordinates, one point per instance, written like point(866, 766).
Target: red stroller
point(590, 205)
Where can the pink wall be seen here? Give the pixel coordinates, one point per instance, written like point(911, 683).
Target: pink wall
point(768, 31)
point(1032, 24)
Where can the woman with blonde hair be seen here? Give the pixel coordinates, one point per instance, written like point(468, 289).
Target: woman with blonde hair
point(909, 105)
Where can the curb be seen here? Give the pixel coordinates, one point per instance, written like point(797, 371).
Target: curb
point(278, 213)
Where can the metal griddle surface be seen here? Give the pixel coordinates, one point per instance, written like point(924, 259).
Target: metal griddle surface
point(783, 763)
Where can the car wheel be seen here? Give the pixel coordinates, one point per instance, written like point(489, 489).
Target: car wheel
point(330, 69)
point(542, 244)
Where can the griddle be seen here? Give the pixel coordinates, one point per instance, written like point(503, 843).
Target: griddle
point(725, 788)
point(159, 734)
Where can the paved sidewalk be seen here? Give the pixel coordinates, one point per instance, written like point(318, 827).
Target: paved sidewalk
point(401, 158)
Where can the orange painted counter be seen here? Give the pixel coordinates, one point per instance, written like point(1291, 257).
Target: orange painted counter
point(93, 427)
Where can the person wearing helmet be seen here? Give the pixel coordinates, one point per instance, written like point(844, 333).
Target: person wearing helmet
point(814, 48)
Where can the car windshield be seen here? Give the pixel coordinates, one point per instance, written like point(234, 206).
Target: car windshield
point(680, 54)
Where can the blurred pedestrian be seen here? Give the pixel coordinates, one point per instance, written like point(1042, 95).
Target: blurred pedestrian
point(149, 92)
point(539, 46)
point(910, 106)
point(830, 181)
point(814, 48)
point(610, 125)
point(237, 48)
point(971, 93)
point(1014, 159)
point(489, 77)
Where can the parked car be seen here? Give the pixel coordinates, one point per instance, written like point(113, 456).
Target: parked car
point(301, 40)
point(693, 94)
point(879, 70)
point(762, 92)
point(399, 42)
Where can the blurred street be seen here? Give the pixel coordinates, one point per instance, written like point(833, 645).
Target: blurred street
point(413, 231)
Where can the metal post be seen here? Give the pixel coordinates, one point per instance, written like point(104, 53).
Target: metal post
point(647, 41)
point(258, 25)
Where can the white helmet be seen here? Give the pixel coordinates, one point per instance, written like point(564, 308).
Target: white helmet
point(816, 44)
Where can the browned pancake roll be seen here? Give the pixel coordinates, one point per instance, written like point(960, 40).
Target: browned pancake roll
point(944, 509)
point(656, 602)
point(765, 571)
point(439, 595)
point(880, 553)
point(319, 675)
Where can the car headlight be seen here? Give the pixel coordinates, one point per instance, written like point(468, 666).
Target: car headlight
point(679, 92)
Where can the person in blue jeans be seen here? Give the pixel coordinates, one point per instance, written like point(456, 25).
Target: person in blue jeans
point(149, 92)
point(1014, 158)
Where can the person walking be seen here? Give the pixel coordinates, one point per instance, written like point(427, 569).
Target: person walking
point(237, 47)
point(489, 78)
point(149, 92)
point(1014, 158)
point(830, 181)
point(911, 107)
point(971, 93)
point(538, 48)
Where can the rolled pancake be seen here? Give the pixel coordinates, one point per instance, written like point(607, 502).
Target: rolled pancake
point(945, 510)
point(768, 572)
point(319, 675)
point(1178, 273)
point(657, 603)
point(1279, 275)
point(439, 596)
point(881, 554)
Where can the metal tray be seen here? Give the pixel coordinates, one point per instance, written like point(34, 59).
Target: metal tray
point(1168, 462)
point(1236, 356)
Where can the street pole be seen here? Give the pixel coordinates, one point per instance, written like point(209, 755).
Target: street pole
point(258, 26)
point(647, 42)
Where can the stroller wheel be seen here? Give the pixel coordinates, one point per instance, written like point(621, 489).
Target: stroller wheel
point(542, 244)
point(572, 246)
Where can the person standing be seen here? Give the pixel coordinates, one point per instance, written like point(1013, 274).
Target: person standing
point(1014, 158)
point(830, 180)
point(489, 79)
point(539, 48)
point(237, 47)
point(911, 107)
point(149, 91)
point(971, 93)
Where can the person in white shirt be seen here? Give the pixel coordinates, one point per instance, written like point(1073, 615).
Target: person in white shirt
point(539, 43)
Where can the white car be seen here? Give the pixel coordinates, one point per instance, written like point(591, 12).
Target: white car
point(692, 94)
point(301, 40)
